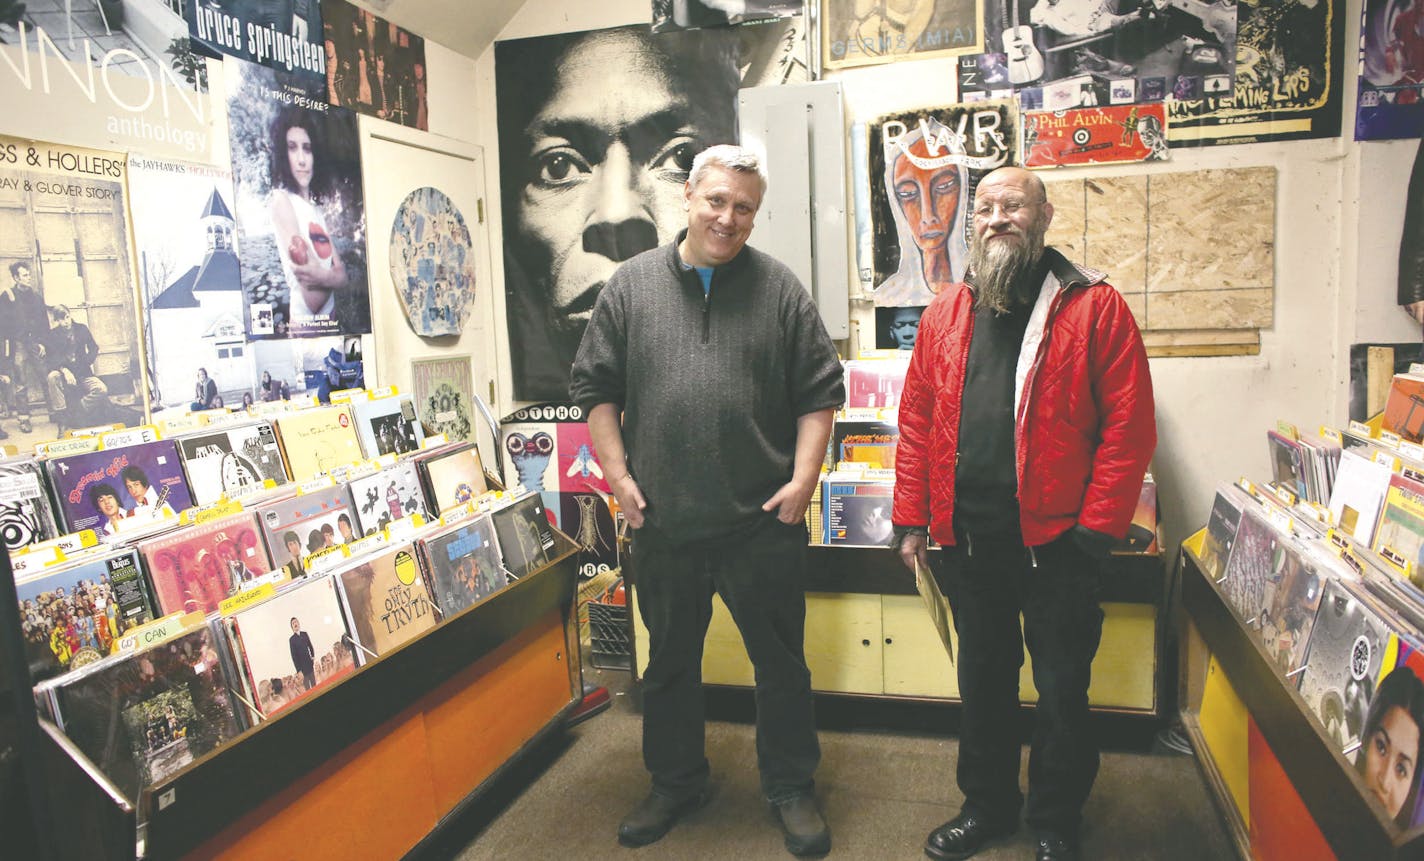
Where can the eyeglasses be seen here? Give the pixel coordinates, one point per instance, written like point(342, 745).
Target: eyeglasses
point(1010, 207)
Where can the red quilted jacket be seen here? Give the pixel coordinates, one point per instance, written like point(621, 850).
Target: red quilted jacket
point(1084, 431)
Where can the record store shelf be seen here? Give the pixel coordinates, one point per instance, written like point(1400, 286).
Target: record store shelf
point(1332, 791)
point(392, 746)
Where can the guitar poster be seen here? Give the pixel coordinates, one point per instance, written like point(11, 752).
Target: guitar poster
point(1085, 53)
point(1391, 103)
point(856, 33)
point(924, 167)
point(1113, 133)
point(1288, 84)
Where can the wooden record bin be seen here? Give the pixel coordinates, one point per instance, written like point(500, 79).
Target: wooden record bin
point(369, 768)
point(1283, 787)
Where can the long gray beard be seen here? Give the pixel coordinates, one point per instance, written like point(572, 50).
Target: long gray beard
point(1002, 271)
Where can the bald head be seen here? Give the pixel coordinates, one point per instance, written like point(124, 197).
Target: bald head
point(1017, 178)
point(1011, 218)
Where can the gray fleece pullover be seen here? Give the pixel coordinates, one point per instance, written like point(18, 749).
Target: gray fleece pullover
point(710, 386)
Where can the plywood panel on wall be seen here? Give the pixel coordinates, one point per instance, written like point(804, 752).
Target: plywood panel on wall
point(1182, 248)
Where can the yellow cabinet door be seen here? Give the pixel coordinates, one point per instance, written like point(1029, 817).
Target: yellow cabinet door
point(916, 664)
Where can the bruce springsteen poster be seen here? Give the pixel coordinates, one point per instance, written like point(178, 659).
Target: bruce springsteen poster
point(279, 34)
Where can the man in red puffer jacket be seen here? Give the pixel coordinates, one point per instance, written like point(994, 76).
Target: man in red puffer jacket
point(1026, 426)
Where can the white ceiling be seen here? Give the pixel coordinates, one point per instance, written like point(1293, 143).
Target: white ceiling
point(467, 27)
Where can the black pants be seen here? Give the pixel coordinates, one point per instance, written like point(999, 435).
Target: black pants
point(990, 581)
point(761, 578)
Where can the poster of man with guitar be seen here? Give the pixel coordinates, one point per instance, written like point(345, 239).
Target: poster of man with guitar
point(1173, 44)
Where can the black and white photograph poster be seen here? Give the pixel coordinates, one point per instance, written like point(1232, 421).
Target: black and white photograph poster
point(68, 304)
point(300, 213)
point(374, 67)
point(190, 283)
point(669, 15)
point(597, 132)
point(866, 32)
point(285, 35)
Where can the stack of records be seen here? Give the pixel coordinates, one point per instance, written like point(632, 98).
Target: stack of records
point(1399, 538)
point(143, 716)
point(72, 614)
point(99, 490)
point(452, 475)
point(301, 525)
point(387, 496)
point(1358, 496)
point(1304, 463)
point(526, 537)
point(385, 599)
point(231, 462)
point(196, 569)
point(317, 441)
point(291, 644)
point(463, 563)
point(388, 426)
point(26, 513)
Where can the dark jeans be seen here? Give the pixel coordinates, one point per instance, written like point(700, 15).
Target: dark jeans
point(989, 583)
point(761, 578)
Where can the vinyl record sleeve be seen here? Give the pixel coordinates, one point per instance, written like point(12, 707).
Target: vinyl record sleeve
point(388, 426)
point(390, 494)
point(233, 461)
point(294, 643)
point(858, 512)
point(1292, 596)
point(1343, 661)
point(1358, 496)
point(195, 568)
point(71, 615)
point(1254, 556)
point(452, 476)
point(385, 599)
point(463, 564)
point(299, 526)
point(316, 441)
point(144, 716)
point(526, 540)
point(1221, 530)
point(26, 514)
point(134, 481)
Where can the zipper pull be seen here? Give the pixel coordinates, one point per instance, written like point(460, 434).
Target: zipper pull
point(1033, 557)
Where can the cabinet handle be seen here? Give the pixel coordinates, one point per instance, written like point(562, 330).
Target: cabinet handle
point(888, 641)
point(865, 642)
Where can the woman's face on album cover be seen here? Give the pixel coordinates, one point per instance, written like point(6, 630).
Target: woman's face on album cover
point(1390, 753)
point(300, 159)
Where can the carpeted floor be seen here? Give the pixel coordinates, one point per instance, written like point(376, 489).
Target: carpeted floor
point(882, 791)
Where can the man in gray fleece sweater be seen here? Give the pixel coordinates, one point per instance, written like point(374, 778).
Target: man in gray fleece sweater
point(710, 385)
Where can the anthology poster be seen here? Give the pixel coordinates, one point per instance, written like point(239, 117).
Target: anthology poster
point(286, 36)
point(924, 167)
point(1289, 78)
point(568, 103)
point(67, 295)
point(300, 211)
point(190, 283)
point(374, 67)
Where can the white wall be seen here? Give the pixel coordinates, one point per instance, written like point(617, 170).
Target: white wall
point(1338, 212)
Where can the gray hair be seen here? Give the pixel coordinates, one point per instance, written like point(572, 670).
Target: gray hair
point(739, 159)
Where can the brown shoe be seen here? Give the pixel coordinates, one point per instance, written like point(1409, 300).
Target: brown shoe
point(805, 829)
point(655, 816)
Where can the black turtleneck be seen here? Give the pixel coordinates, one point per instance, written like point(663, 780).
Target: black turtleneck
point(986, 482)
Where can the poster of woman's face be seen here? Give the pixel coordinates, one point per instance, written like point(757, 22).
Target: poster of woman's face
point(924, 166)
point(597, 131)
point(300, 215)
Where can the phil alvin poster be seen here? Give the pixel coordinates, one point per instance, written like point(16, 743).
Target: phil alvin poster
point(68, 306)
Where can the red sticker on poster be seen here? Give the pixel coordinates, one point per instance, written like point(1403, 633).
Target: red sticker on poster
point(1102, 135)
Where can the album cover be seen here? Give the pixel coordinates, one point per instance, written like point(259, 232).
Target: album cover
point(98, 489)
point(293, 644)
point(1404, 409)
point(1141, 534)
point(858, 512)
point(1287, 464)
point(195, 568)
point(452, 476)
point(1252, 560)
point(865, 441)
point(1292, 596)
point(316, 441)
point(444, 395)
point(526, 540)
point(1343, 663)
point(390, 494)
point(1358, 496)
point(26, 513)
point(299, 526)
point(388, 426)
point(463, 564)
point(385, 599)
point(1400, 535)
point(1221, 530)
point(587, 519)
point(142, 717)
point(234, 461)
point(71, 615)
point(875, 382)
